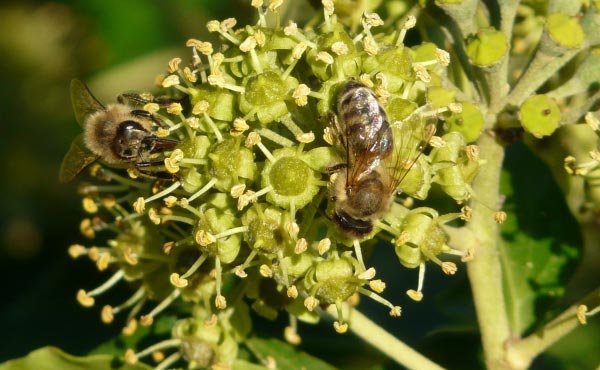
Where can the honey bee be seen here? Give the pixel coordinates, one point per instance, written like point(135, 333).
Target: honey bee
point(119, 134)
point(378, 157)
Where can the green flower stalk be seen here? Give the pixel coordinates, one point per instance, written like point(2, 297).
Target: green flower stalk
point(239, 214)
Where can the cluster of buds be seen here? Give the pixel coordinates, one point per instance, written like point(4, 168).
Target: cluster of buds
point(244, 221)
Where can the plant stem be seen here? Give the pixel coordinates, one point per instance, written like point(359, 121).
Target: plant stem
point(485, 271)
point(521, 353)
point(541, 68)
point(379, 338)
point(524, 351)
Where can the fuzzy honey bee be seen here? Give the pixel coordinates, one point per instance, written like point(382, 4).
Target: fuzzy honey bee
point(119, 134)
point(378, 157)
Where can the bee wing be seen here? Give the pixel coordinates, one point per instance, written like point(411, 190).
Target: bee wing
point(77, 158)
point(411, 137)
point(359, 159)
point(84, 102)
point(365, 160)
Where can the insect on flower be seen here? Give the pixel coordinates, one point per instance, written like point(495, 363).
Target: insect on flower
point(119, 134)
point(379, 155)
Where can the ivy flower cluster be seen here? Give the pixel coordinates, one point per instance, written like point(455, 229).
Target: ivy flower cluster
point(242, 221)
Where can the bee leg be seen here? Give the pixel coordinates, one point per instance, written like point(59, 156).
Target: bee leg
point(156, 144)
point(335, 168)
point(165, 101)
point(136, 99)
point(145, 169)
point(145, 114)
point(150, 163)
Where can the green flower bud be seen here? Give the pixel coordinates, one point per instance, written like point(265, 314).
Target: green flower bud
point(192, 180)
point(333, 280)
point(201, 285)
point(564, 30)
point(448, 173)
point(266, 59)
point(264, 310)
point(197, 148)
point(417, 181)
point(221, 201)
point(222, 102)
point(329, 90)
point(396, 63)
point(265, 95)
point(197, 352)
point(487, 47)
point(469, 122)
point(398, 109)
point(539, 115)
point(452, 182)
point(425, 238)
point(425, 52)
point(278, 40)
point(347, 62)
point(450, 152)
point(292, 179)
point(297, 265)
point(266, 232)
point(212, 223)
point(440, 97)
point(232, 164)
point(133, 242)
point(205, 345)
point(319, 158)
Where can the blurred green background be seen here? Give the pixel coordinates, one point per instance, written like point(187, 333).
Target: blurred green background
point(117, 46)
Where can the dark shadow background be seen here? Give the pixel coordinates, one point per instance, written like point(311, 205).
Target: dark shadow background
point(117, 46)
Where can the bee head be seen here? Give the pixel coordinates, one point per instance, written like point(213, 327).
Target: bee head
point(130, 140)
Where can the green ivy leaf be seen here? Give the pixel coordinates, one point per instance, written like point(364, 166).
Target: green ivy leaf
point(52, 358)
point(285, 355)
point(245, 365)
point(540, 239)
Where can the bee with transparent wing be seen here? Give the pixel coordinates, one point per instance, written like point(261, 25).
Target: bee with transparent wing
point(379, 155)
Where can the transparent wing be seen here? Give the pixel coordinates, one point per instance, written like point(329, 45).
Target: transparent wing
point(363, 157)
point(77, 158)
point(411, 137)
point(366, 161)
point(84, 102)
